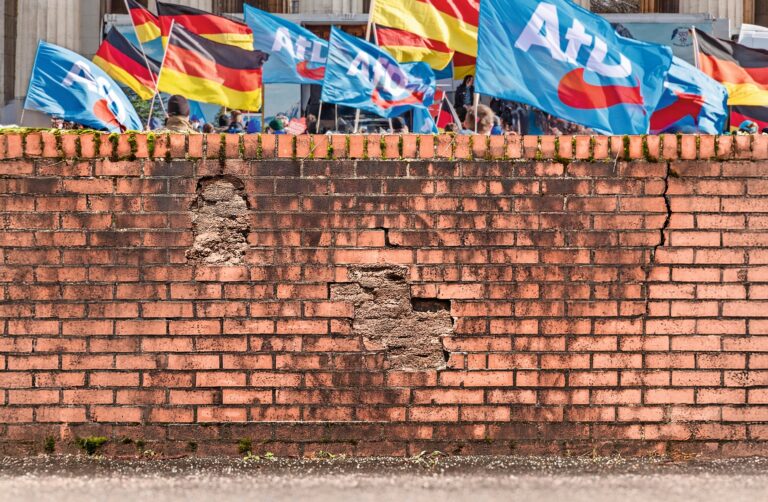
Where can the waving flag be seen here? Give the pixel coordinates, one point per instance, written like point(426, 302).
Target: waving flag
point(563, 59)
point(146, 24)
point(363, 76)
point(206, 71)
point(409, 47)
point(297, 55)
point(741, 69)
point(451, 22)
point(126, 64)
point(691, 100)
point(66, 85)
point(207, 25)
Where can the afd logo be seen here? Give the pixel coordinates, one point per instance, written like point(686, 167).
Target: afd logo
point(543, 30)
point(308, 53)
point(391, 86)
point(109, 109)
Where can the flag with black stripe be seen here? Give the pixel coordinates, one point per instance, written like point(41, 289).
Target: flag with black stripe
point(126, 64)
point(206, 71)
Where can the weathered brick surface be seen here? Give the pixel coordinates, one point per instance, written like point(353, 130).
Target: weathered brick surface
point(600, 302)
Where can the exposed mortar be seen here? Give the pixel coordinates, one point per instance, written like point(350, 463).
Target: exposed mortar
point(385, 317)
point(219, 222)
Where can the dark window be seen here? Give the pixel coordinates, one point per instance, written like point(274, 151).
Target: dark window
point(669, 6)
point(118, 6)
point(236, 6)
point(761, 12)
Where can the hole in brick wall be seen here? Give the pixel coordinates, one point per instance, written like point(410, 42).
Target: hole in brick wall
point(430, 304)
point(219, 221)
point(386, 318)
point(388, 243)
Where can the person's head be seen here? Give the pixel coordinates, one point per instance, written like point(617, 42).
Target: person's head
point(276, 124)
point(398, 125)
point(311, 118)
point(178, 106)
point(748, 127)
point(235, 117)
point(469, 80)
point(208, 128)
point(484, 119)
point(450, 127)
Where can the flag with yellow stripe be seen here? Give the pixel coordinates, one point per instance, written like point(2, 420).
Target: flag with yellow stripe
point(126, 64)
point(210, 72)
point(146, 24)
point(217, 28)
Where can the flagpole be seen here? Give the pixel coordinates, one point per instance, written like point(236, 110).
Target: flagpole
point(371, 10)
point(146, 62)
point(160, 72)
point(319, 115)
point(477, 103)
point(695, 47)
point(263, 110)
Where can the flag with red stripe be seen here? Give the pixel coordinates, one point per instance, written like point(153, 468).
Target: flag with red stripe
point(126, 64)
point(217, 28)
point(741, 69)
point(146, 24)
point(210, 72)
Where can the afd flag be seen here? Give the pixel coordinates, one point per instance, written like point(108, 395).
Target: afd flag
point(692, 102)
point(66, 85)
point(361, 75)
point(563, 59)
point(423, 123)
point(297, 56)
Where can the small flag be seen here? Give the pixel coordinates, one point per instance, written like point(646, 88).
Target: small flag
point(126, 64)
point(691, 100)
point(570, 63)
point(757, 114)
point(66, 85)
point(146, 24)
point(741, 69)
point(297, 55)
point(207, 25)
point(206, 71)
point(362, 75)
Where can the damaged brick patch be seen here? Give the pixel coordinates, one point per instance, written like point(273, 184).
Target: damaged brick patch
point(386, 319)
point(219, 222)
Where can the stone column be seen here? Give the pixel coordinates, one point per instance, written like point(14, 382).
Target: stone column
point(54, 21)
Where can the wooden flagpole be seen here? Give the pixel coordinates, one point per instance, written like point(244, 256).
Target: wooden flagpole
point(146, 62)
point(319, 114)
point(160, 73)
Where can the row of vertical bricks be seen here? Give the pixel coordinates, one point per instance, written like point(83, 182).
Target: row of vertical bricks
point(408, 146)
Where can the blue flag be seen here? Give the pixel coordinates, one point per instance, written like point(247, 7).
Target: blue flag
point(423, 123)
point(692, 102)
point(297, 56)
point(363, 76)
point(563, 59)
point(66, 85)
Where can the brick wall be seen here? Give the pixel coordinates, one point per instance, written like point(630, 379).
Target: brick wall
point(601, 294)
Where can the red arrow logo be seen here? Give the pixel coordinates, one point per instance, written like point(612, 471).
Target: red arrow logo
point(575, 92)
point(413, 99)
point(305, 71)
point(685, 105)
point(102, 111)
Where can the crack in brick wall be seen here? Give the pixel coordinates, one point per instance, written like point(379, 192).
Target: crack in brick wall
point(385, 318)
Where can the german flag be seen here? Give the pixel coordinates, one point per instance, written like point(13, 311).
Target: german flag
point(206, 71)
point(757, 114)
point(216, 28)
point(126, 64)
point(742, 70)
point(451, 22)
point(147, 25)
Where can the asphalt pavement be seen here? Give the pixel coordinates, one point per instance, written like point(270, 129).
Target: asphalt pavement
point(433, 478)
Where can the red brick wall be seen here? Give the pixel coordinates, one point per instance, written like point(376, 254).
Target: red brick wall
point(599, 304)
